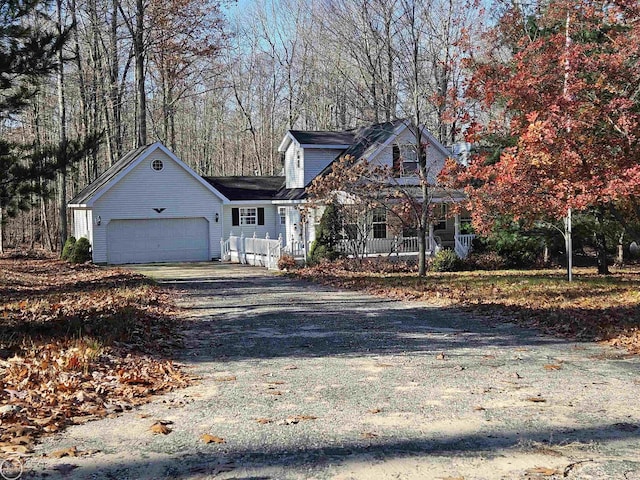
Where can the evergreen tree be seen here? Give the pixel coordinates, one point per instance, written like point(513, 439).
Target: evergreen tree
point(28, 53)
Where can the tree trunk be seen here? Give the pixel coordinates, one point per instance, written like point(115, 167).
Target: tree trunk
point(601, 245)
point(138, 45)
point(1, 229)
point(62, 146)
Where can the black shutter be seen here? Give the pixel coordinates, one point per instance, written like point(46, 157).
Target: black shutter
point(260, 216)
point(235, 217)
point(396, 160)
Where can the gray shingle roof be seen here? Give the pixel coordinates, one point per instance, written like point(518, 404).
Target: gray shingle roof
point(86, 193)
point(372, 136)
point(247, 188)
point(291, 194)
point(322, 137)
point(369, 137)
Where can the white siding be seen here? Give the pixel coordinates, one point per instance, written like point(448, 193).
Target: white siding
point(315, 160)
point(137, 194)
point(294, 167)
point(435, 158)
point(82, 224)
point(271, 221)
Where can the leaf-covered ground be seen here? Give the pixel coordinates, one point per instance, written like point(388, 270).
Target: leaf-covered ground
point(592, 307)
point(78, 343)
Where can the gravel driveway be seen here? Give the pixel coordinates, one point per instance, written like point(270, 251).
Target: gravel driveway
point(301, 381)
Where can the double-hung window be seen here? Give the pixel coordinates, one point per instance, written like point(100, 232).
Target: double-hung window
point(282, 215)
point(247, 216)
point(379, 223)
point(440, 214)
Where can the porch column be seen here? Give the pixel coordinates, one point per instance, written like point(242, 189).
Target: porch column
point(432, 241)
point(456, 226)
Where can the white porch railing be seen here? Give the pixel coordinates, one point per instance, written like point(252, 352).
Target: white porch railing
point(390, 246)
point(463, 245)
point(262, 252)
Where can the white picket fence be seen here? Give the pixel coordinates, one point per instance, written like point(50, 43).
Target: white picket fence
point(262, 252)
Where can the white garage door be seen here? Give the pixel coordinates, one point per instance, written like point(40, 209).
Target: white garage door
point(166, 240)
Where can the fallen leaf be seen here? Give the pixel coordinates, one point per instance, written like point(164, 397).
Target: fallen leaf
point(290, 367)
point(160, 428)
point(225, 378)
point(274, 392)
point(206, 438)
point(16, 449)
point(479, 408)
point(263, 421)
point(65, 452)
point(544, 471)
point(374, 410)
point(369, 435)
point(536, 399)
point(441, 356)
point(292, 420)
point(22, 440)
point(552, 366)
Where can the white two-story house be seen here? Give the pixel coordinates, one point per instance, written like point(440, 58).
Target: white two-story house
point(152, 207)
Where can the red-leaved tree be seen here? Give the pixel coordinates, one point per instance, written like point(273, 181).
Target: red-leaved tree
point(560, 91)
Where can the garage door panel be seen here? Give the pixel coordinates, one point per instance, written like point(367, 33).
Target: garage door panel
point(158, 240)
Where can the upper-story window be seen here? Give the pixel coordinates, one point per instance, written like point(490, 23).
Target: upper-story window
point(282, 215)
point(405, 160)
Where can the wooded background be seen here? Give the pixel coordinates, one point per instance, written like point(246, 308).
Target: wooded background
point(220, 84)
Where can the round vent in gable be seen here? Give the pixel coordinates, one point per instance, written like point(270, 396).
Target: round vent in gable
point(157, 165)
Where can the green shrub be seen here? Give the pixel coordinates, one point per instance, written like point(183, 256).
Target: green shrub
point(68, 248)
point(446, 261)
point(320, 251)
point(81, 251)
point(327, 236)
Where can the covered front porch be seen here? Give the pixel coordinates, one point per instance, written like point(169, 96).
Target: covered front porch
point(266, 252)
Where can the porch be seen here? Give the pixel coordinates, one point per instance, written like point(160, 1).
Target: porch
point(266, 252)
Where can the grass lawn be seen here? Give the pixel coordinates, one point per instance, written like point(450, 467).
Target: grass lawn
point(592, 307)
point(78, 343)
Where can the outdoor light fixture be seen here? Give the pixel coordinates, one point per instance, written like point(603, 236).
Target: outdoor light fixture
point(98, 220)
point(217, 217)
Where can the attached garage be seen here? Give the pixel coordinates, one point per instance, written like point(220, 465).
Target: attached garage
point(150, 207)
point(158, 240)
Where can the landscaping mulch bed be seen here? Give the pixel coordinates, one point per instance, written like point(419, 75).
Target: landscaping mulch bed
point(78, 342)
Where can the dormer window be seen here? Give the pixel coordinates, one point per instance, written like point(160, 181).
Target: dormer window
point(405, 160)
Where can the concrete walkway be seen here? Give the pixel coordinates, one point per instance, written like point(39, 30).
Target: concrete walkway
point(302, 381)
